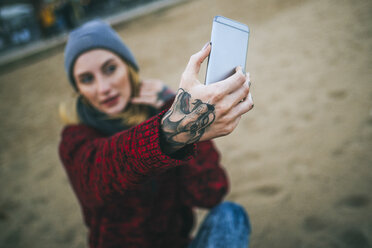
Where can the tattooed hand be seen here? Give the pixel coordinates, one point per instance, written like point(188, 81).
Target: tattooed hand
point(187, 120)
point(153, 92)
point(202, 112)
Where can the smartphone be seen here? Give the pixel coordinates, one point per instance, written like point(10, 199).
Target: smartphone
point(229, 49)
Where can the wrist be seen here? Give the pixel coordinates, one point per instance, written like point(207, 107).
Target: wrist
point(168, 131)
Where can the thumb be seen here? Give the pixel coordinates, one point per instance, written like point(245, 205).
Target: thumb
point(134, 99)
point(193, 67)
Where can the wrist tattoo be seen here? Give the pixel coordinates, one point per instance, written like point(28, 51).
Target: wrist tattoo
point(186, 121)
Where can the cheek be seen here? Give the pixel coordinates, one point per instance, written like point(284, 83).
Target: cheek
point(88, 92)
point(125, 85)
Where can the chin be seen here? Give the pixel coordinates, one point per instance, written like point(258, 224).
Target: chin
point(117, 109)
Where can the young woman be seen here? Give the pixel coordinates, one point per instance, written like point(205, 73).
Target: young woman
point(139, 157)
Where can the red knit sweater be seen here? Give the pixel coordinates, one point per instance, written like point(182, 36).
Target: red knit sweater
point(134, 195)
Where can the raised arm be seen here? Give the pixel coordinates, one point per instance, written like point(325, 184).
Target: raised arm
point(203, 112)
point(100, 168)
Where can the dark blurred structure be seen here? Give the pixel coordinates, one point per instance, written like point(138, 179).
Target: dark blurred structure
point(17, 25)
point(25, 21)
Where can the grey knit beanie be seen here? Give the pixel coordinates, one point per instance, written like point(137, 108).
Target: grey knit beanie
point(94, 34)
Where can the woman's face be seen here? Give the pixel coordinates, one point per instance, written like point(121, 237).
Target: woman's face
point(103, 79)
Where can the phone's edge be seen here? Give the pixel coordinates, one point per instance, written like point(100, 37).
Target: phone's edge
point(215, 19)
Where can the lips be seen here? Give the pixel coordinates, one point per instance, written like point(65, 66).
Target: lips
point(110, 101)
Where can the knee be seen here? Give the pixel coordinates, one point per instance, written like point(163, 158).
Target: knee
point(230, 209)
point(233, 213)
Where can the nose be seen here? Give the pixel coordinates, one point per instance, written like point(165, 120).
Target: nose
point(103, 86)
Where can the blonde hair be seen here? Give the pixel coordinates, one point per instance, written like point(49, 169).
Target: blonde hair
point(133, 114)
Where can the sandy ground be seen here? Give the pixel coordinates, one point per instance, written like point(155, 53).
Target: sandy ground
point(300, 162)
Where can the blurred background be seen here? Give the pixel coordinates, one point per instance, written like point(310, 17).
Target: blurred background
point(300, 162)
point(25, 21)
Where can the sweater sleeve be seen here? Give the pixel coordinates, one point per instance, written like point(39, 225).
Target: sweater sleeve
point(204, 181)
point(101, 167)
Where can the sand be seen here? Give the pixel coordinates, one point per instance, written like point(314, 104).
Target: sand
point(300, 162)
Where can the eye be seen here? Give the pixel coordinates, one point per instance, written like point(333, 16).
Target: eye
point(86, 78)
point(110, 69)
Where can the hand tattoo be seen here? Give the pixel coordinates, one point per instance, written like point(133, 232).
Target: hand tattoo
point(186, 121)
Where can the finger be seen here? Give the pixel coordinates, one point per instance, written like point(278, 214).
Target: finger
point(136, 100)
point(193, 66)
point(147, 94)
point(151, 82)
point(236, 121)
point(250, 98)
point(243, 107)
point(249, 78)
point(145, 86)
point(232, 83)
point(239, 95)
point(141, 100)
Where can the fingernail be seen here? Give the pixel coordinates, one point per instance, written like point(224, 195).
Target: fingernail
point(238, 68)
point(206, 45)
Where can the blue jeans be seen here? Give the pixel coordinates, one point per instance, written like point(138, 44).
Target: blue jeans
point(226, 225)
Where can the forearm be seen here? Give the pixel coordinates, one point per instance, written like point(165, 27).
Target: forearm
point(101, 168)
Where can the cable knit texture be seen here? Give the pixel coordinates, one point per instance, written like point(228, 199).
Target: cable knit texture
point(134, 195)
